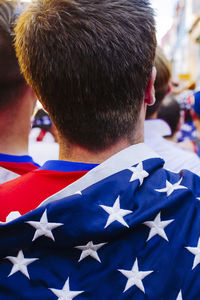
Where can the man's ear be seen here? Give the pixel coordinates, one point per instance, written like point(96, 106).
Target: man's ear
point(149, 97)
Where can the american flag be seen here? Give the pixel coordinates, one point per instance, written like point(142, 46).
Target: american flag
point(12, 166)
point(134, 234)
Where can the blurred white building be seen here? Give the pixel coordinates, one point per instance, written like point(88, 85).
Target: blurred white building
point(182, 41)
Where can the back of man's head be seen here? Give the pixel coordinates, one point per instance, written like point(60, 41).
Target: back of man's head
point(170, 112)
point(89, 63)
point(12, 83)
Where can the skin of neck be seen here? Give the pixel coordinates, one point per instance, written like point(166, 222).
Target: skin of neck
point(15, 125)
point(172, 138)
point(76, 153)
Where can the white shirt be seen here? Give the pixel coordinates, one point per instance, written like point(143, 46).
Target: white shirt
point(41, 151)
point(35, 132)
point(7, 175)
point(174, 156)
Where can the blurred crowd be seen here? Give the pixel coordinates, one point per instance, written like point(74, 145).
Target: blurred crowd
point(171, 126)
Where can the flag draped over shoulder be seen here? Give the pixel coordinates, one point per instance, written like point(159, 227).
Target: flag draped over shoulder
point(12, 166)
point(132, 235)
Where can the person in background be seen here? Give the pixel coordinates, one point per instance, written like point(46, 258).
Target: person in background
point(16, 101)
point(128, 228)
point(188, 131)
point(43, 129)
point(195, 107)
point(170, 112)
point(189, 134)
point(176, 158)
point(195, 113)
point(43, 143)
point(162, 83)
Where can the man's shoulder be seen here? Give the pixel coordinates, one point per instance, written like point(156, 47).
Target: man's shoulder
point(175, 157)
point(156, 127)
point(25, 192)
point(15, 165)
point(184, 158)
point(131, 212)
point(28, 191)
point(148, 177)
point(15, 195)
point(7, 175)
point(21, 184)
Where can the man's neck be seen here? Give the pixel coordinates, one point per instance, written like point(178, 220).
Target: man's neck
point(172, 138)
point(14, 141)
point(154, 116)
point(15, 124)
point(14, 132)
point(76, 153)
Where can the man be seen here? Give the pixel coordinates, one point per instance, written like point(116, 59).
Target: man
point(43, 139)
point(170, 112)
point(86, 144)
point(16, 102)
point(156, 129)
point(42, 128)
point(127, 229)
point(193, 126)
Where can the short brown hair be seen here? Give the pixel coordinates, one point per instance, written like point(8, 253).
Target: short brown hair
point(89, 63)
point(12, 82)
point(163, 76)
point(170, 111)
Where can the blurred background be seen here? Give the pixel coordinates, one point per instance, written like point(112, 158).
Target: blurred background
point(178, 32)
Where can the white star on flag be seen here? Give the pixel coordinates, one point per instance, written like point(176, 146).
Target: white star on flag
point(11, 217)
point(65, 293)
point(170, 188)
point(157, 227)
point(43, 227)
point(196, 252)
point(78, 193)
point(138, 173)
point(198, 198)
point(179, 296)
point(90, 250)
point(135, 277)
point(116, 213)
point(20, 263)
